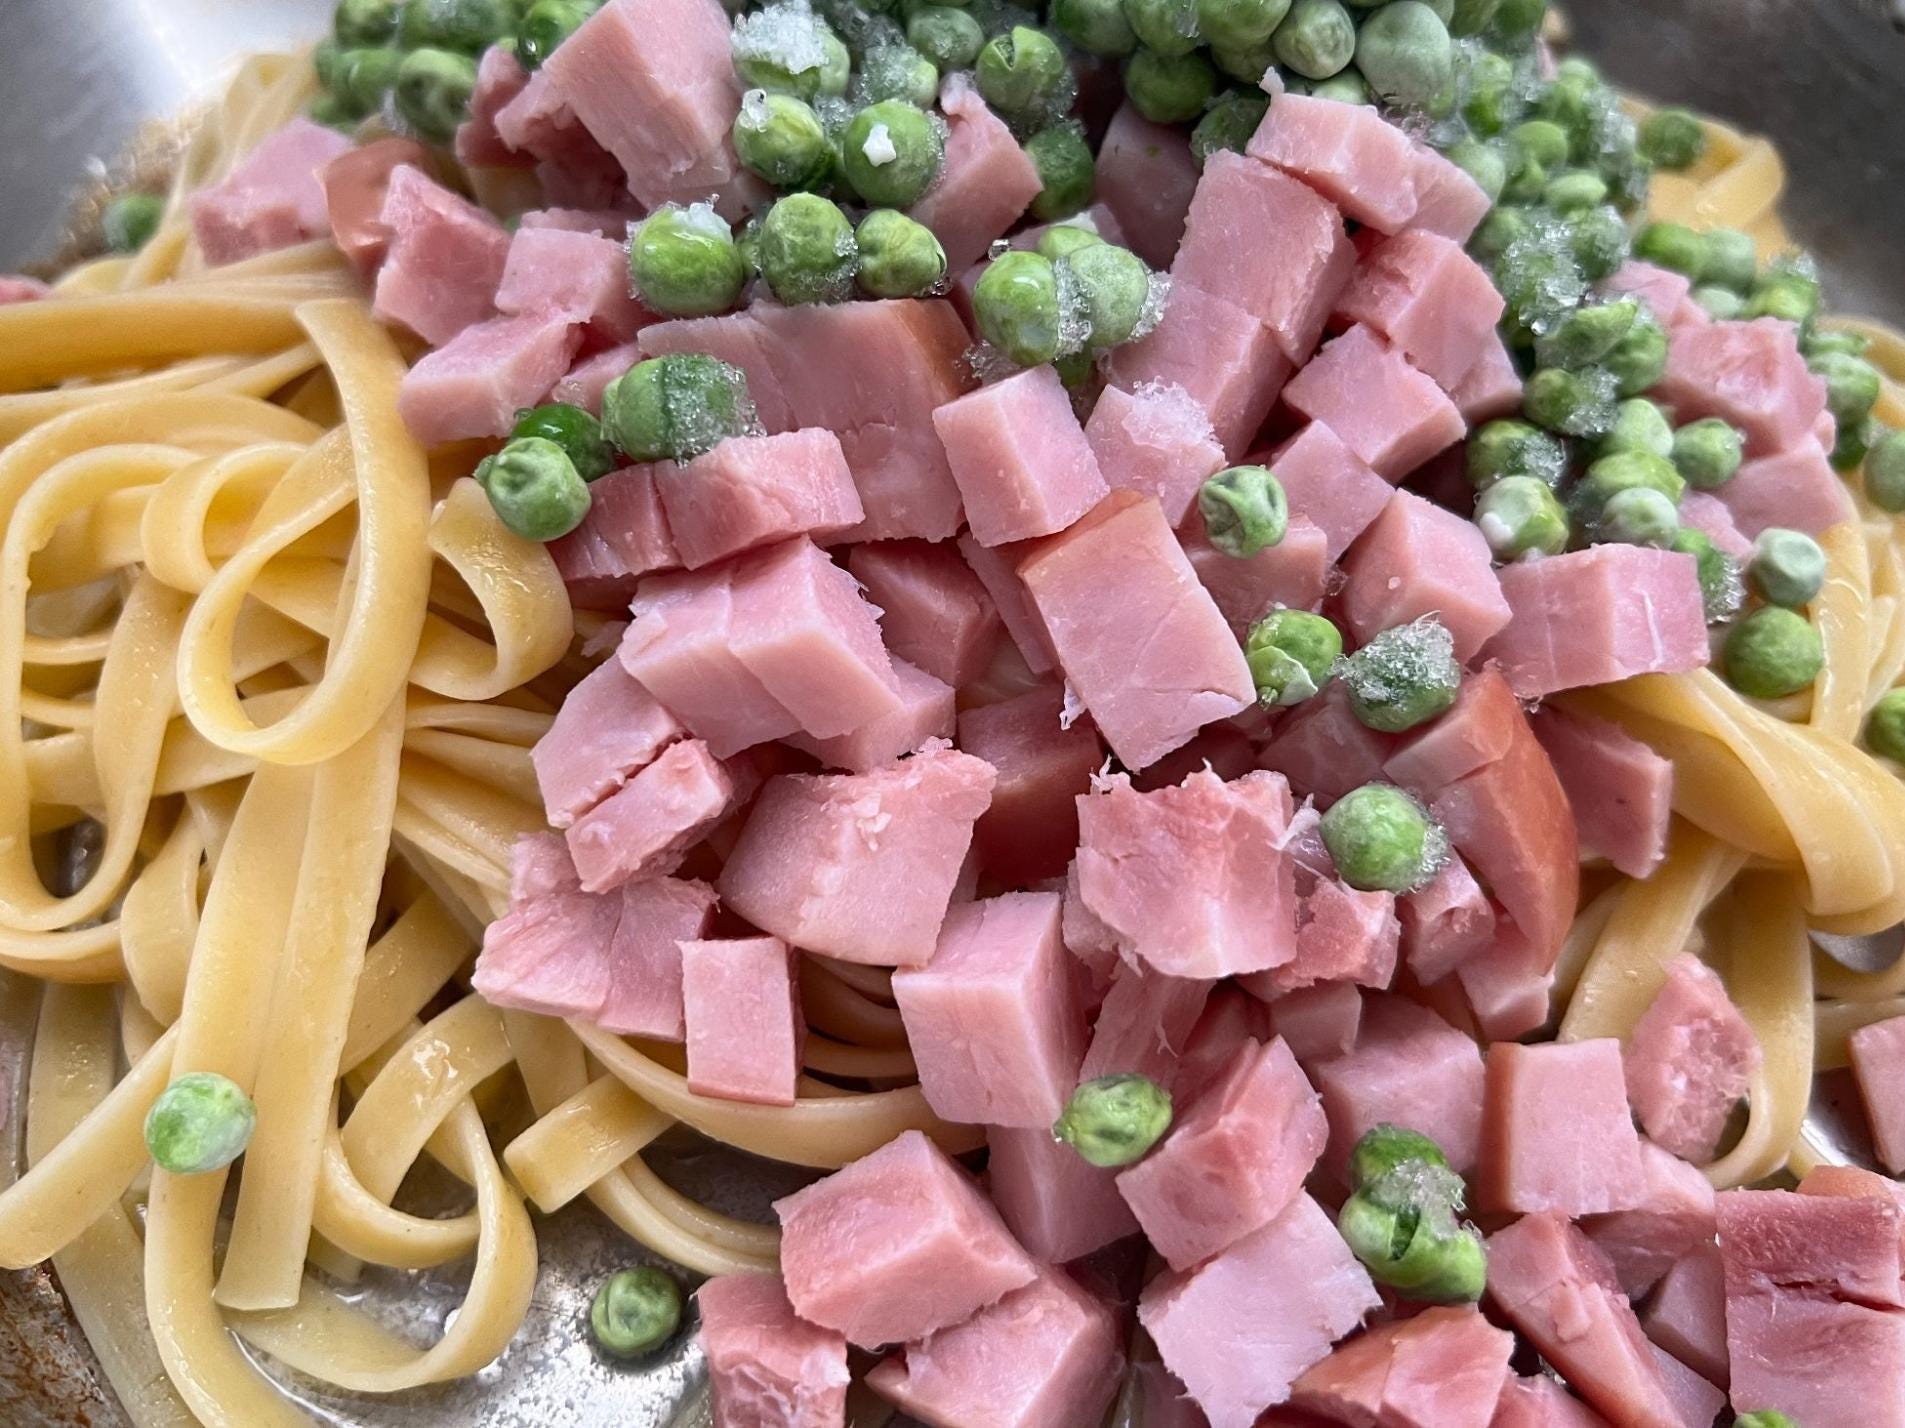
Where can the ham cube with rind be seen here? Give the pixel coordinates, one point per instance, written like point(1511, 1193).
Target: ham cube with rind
point(273, 199)
point(1059, 1205)
point(985, 183)
point(445, 259)
point(1348, 153)
point(1409, 1068)
point(934, 612)
point(1416, 560)
point(1156, 441)
point(1021, 459)
point(1218, 352)
point(751, 491)
point(1689, 1061)
point(1556, 1135)
point(1147, 178)
point(608, 730)
point(483, 375)
point(741, 1006)
point(926, 712)
point(1329, 485)
point(1392, 416)
point(1031, 830)
point(896, 1245)
point(766, 1365)
point(623, 537)
point(1444, 1368)
point(1429, 299)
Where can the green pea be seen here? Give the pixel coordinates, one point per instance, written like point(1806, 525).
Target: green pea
point(1491, 98)
point(1520, 19)
point(1541, 141)
point(891, 152)
point(1244, 510)
point(1587, 335)
point(1885, 473)
point(1538, 277)
point(1384, 1147)
point(1403, 1228)
point(1497, 236)
point(635, 1312)
point(1483, 163)
point(1766, 1418)
point(1817, 341)
point(1245, 63)
point(682, 262)
point(1731, 260)
point(1787, 567)
point(1346, 86)
point(1237, 23)
point(1787, 291)
point(1708, 453)
point(1403, 677)
point(1022, 71)
point(1291, 654)
point(899, 257)
point(1169, 89)
point(357, 23)
point(807, 250)
point(1672, 139)
point(1639, 425)
point(1639, 360)
point(950, 38)
point(1852, 386)
point(1673, 246)
point(130, 220)
point(781, 138)
point(362, 79)
point(1316, 39)
point(1885, 727)
point(1622, 471)
point(1599, 242)
point(1638, 517)
point(1098, 27)
point(896, 71)
point(1852, 441)
point(1115, 1120)
point(535, 488)
point(1016, 307)
point(1405, 53)
point(1773, 652)
point(1502, 449)
point(1228, 124)
point(1572, 402)
point(325, 109)
point(433, 91)
point(1527, 180)
point(575, 430)
point(1721, 304)
point(786, 49)
point(546, 25)
point(1722, 588)
point(1472, 17)
point(1061, 240)
point(1519, 517)
point(201, 1122)
point(1066, 174)
point(1165, 27)
point(469, 26)
point(674, 408)
point(1109, 288)
point(1076, 369)
point(1576, 192)
point(1382, 841)
point(324, 58)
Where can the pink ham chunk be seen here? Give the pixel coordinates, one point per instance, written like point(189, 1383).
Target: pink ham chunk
point(1621, 790)
point(742, 1011)
point(1418, 559)
point(1687, 1315)
point(985, 183)
point(1708, 513)
point(1157, 664)
point(1232, 1021)
point(1839, 1246)
point(995, 1020)
point(1291, 574)
point(500, 78)
point(1837, 1365)
point(766, 1365)
point(1408, 1068)
point(650, 823)
point(1751, 374)
point(895, 1246)
point(1156, 441)
point(1491, 387)
point(1260, 239)
point(1058, 1204)
point(603, 222)
point(1689, 1061)
point(1193, 880)
point(1342, 935)
point(1147, 178)
point(1429, 299)
point(446, 257)
point(356, 184)
point(1145, 1025)
point(1324, 749)
point(16, 287)
point(926, 712)
point(273, 199)
point(1233, 1162)
point(998, 571)
point(623, 537)
point(539, 866)
point(1696, 1400)
point(1445, 1368)
point(1598, 616)
point(1347, 152)
point(1329, 485)
point(1031, 828)
point(1556, 1134)
point(581, 277)
point(608, 730)
point(1878, 1060)
point(662, 112)
point(476, 383)
point(1223, 356)
point(1665, 293)
point(1021, 459)
point(1444, 922)
point(1485, 722)
point(1448, 202)
point(1045, 1356)
point(584, 383)
point(1508, 985)
point(1241, 1329)
point(1555, 1287)
point(1387, 412)
point(750, 491)
point(1318, 1023)
point(934, 611)
point(1794, 487)
point(1543, 1403)
point(657, 915)
point(860, 866)
point(1673, 1218)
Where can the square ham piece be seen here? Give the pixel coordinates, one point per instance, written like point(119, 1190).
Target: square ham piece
point(742, 1010)
point(765, 1364)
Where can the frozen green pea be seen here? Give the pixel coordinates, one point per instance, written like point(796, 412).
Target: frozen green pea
point(1246, 64)
point(807, 250)
point(1236, 23)
point(432, 90)
point(635, 1312)
point(324, 58)
point(1514, 448)
point(1497, 235)
point(1885, 727)
point(1066, 171)
point(1316, 38)
point(1520, 19)
point(326, 110)
point(1885, 473)
point(1115, 1120)
point(1098, 27)
point(1585, 336)
point(891, 152)
point(950, 38)
point(535, 488)
point(674, 408)
point(1787, 291)
point(781, 138)
point(1381, 840)
point(1483, 163)
point(366, 22)
point(364, 78)
point(1063, 239)
point(1538, 277)
point(1787, 567)
point(1407, 1236)
point(1244, 510)
point(1852, 386)
point(1291, 654)
point(467, 26)
point(1817, 341)
point(1022, 71)
point(1622, 471)
point(1228, 124)
point(896, 70)
point(1165, 27)
point(130, 220)
point(1672, 139)
point(899, 257)
point(1599, 242)
point(1773, 652)
point(787, 49)
point(1346, 86)
point(1852, 441)
point(546, 24)
point(1491, 100)
point(1403, 677)
point(1639, 360)
point(1674, 246)
point(575, 430)
point(1572, 402)
point(1169, 89)
point(200, 1122)
point(1109, 287)
point(1638, 517)
point(1639, 425)
point(1541, 141)
point(1016, 306)
point(1765, 1418)
point(1575, 192)
point(1383, 1147)
point(1722, 587)
point(1472, 17)
point(1720, 304)
point(1403, 50)
point(1708, 453)
point(1521, 517)
point(682, 262)
point(1731, 260)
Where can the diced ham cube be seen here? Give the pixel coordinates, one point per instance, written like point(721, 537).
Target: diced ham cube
point(1021, 459)
point(1233, 1162)
point(1837, 1365)
point(500, 78)
point(1673, 1218)
point(1444, 1368)
point(1324, 749)
point(1387, 412)
point(1665, 293)
point(623, 537)
point(603, 222)
point(1158, 663)
point(356, 184)
point(998, 571)
point(1329, 485)
point(927, 711)
point(539, 866)
point(1147, 177)
point(1232, 1020)
point(1031, 828)
point(657, 915)
point(1560, 1292)
point(1706, 512)
point(1556, 1134)
point(1418, 559)
point(1542, 1403)
point(1408, 1068)
point(1598, 616)
point(985, 183)
point(1318, 1023)
point(1444, 922)
point(934, 611)
point(1508, 985)
point(1689, 1060)
point(1045, 1356)
point(1145, 1025)
point(1687, 1315)
point(476, 382)
point(608, 730)
point(1779, 1242)
point(446, 257)
point(1241, 1329)
point(548, 956)
point(1219, 353)
point(1794, 487)
point(1192, 880)
point(1342, 935)
point(742, 1009)
point(1262, 240)
point(649, 824)
point(16, 287)
point(1429, 299)
point(273, 199)
point(536, 121)
point(1491, 387)
point(1058, 1204)
point(766, 1365)
point(1156, 441)
point(1347, 152)
point(581, 277)
point(1696, 1400)
point(584, 383)
point(1448, 201)
point(1752, 374)
point(1292, 574)
point(859, 866)
point(750, 491)
point(1621, 790)
point(1878, 1060)
point(895, 1246)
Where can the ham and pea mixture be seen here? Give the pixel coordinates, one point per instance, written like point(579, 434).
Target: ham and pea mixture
point(1094, 499)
